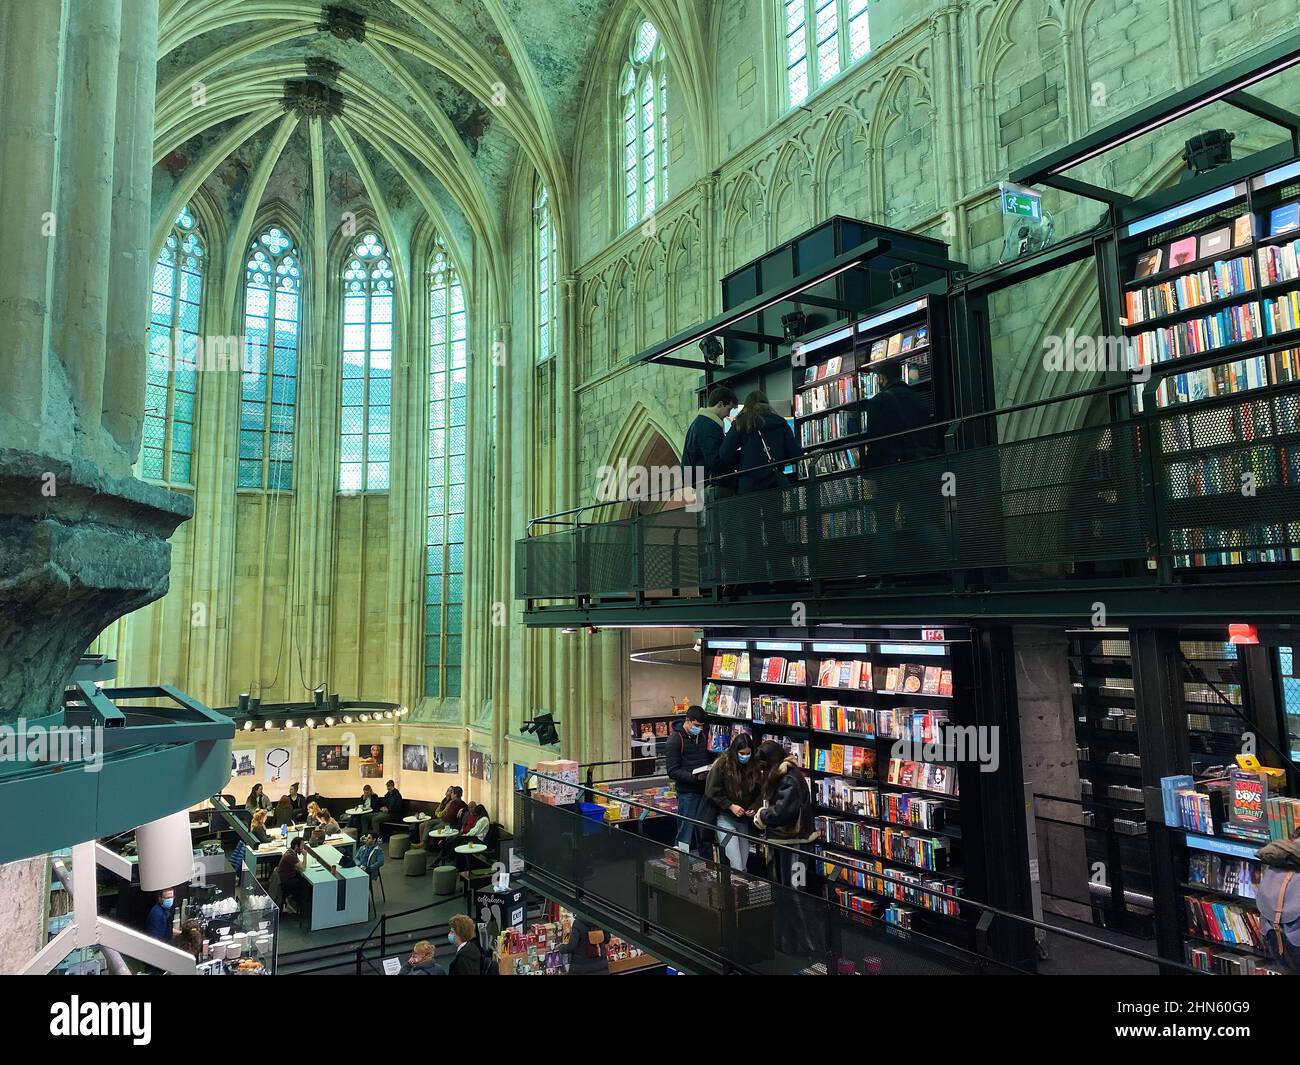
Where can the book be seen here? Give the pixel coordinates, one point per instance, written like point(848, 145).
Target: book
point(1215, 242)
point(913, 678)
point(1284, 219)
point(945, 683)
point(879, 348)
point(895, 344)
point(892, 675)
point(1182, 252)
point(1243, 230)
point(930, 685)
point(1149, 263)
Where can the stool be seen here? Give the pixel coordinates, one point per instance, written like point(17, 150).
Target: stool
point(415, 863)
point(444, 880)
point(398, 846)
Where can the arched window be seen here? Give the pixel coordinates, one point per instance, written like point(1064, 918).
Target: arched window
point(822, 37)
point(444, 576)
point(365, 429)
point(644, 95)
point(174, 353)
point(269, 380)
point(545, 252)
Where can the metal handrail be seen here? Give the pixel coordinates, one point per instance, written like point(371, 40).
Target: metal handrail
point(985, 908)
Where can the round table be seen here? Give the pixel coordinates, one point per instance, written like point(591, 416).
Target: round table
point(468, 850)
point(415, 821)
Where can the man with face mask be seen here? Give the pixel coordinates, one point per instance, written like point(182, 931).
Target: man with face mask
point(159, 922)
point(687, 762)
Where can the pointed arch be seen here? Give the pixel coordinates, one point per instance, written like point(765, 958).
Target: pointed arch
point(789, 205)
point(649, 286)
point(643, 439)
point(744, 221)
point(594, 334)
point(906, 171)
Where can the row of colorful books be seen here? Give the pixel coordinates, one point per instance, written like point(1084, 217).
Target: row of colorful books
point(730, 666)
point(1223, 963)
point(927, 776)
point(845, 759)
point(1279, 263)
point(926, 892)
point(899, 343)
point(1187, 250)
point(725, 700)
point(837, 393)
point(822, 370)
point(829, 427)
point(911, 808)
point(911, 678)
point(845, 673)
point(1246, 470)
point(898, 845)
point(778, 710)
point(1282, 313)
point(1220, 280)
point(1232, 325)
point(914, 371)
point(834, 793)
point(1229, 378)
point(1231, 876)
point(1224, 922)
point(832, 462)
point(832, 717)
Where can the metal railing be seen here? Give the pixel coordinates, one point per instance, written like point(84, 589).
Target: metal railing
point(1152, 498)
point(707, 917)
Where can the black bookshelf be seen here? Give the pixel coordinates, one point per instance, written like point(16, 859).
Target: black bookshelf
point(661, 725)
point(881, 838)
point(1200, 286)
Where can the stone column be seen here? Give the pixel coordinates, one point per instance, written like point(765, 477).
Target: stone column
point(84, 250)
point(1048, 755)
point(28, 158)
point(24, 891)
point(130, 271)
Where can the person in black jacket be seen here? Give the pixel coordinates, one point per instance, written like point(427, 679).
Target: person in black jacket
point(392, 807)
point(586, 958)
point(760, 444)
point(786, 816)
point(912, 523)
point(462, 935)
point(686, 759)
point(896, 408)
point(700, 452)
point(733, 787)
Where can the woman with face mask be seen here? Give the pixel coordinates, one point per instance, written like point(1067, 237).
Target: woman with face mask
point(734, 785)
point(463, 937)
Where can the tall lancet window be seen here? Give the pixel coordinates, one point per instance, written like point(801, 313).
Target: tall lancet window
point(366, 419)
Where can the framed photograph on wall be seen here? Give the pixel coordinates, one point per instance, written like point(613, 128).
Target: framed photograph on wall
point(332, 757)
point(415, 757)
point(243, 763)
point(372, 761)
point(446, 759)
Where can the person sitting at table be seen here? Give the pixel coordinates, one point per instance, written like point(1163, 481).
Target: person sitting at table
point(474, 830)
point(326, 822)
point(313, 814)
point(293, 884)
point(391, 807)
point(258, 827)
point(257, 800)
point(284, 811)
point(451, 809)
point(370, 855)
point(463, 935)
point(365, 807)
point(298, 801)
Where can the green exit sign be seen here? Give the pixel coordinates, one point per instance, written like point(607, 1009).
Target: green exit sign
point(1020, 201)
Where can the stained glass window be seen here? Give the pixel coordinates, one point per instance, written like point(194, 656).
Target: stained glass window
point(822, 37)
point(171, 381)
point(366, 416)
point(545, 275)
point(644, 91)
point(269, 379)
point(445, 538)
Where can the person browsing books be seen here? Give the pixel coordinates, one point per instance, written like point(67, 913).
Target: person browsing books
point(896, 408)
point(686, 762)
point(700, 452)
point(734, 785)
point(786, 816)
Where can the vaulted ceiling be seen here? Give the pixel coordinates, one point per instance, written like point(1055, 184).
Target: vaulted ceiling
point(407, 108)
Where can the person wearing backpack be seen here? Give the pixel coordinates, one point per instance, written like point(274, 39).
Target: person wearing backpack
point(760, 445)
point(686, 760)
point(1278, 899)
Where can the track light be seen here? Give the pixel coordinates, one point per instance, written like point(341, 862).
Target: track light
point(347, 719)
point(711, 346)
point(329, 722)
point(318, 696)
point(902, 278)
point(1206, 151)
point(243, 702)
point(268, 724)
point(794, 325)
point(248, 726)
point(543, 725)
point(363, 717)
point(289, 723)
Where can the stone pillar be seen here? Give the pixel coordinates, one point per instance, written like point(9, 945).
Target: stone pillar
point(1048, 755)
point(28, 157)
point(130, 269)
point(24, 892)
point(84, 251)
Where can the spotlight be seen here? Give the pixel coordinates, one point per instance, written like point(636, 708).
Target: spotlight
point(592, 630)
point(568, 630)
point(388, 715)
point(334, 703)
point(712, 348)
point(544, 726)
point(318, 696)
point(254, 705)
point(311, 722)
point(902, 278)
point(1207, 150)
point(268, 725)
point(794, 325)
point(248, 726)
point(347, 719)
point(243, 702)
point(329, 722)
point(363, 717)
